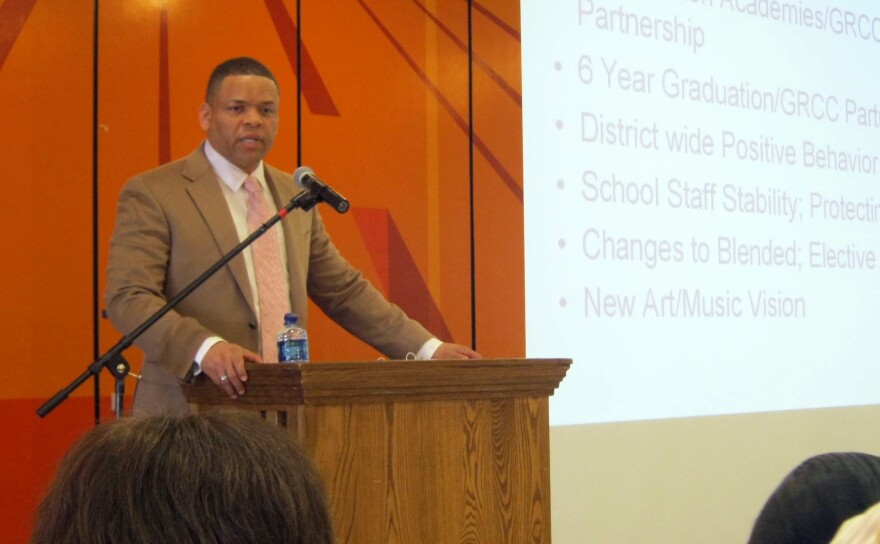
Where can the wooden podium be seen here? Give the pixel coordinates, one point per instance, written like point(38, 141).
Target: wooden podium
point(422, 452)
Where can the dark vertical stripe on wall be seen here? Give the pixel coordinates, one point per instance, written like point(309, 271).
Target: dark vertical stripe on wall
point(96, 308)
point(299, 76)
point(471, 172)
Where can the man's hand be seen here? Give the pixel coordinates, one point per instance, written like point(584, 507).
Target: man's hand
point(447, 350)
point(224, 364)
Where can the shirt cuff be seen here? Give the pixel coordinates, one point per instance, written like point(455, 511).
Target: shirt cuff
point(206, 345)
point(428, 348)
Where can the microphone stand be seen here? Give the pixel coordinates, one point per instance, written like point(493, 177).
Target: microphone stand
point(113, 360)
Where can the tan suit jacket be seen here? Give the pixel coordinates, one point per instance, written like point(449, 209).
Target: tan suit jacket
point(172, 224)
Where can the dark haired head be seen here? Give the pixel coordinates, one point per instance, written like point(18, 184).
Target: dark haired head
point(239, 66)
point(816, 497)
point(219, 477)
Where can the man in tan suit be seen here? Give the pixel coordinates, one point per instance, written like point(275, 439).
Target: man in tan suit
point(175, 221)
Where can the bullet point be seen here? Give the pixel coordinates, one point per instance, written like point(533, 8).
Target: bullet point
point(558, 66)
point(562, 243)
point(560, 184)
point(559, 125)
point(563, 303)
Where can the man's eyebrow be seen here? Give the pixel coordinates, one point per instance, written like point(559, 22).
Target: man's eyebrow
point(243, 101)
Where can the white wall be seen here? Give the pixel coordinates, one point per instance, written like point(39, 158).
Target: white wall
point(695, 480)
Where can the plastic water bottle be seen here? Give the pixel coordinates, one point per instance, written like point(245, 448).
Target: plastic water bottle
point(293, 342)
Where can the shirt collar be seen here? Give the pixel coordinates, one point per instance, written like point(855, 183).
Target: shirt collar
point(232, 176)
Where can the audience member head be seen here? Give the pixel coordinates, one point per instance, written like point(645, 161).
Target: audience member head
point(221, 477)
point(816, 497)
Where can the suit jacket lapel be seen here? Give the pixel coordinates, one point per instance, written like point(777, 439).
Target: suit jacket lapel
point(208, 197)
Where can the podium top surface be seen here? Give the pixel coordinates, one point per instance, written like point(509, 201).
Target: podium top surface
point(386, 381)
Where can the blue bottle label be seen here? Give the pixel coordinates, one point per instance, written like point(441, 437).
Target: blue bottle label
point(293, 350)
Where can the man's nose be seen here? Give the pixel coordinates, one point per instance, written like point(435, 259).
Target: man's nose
point(252, 117)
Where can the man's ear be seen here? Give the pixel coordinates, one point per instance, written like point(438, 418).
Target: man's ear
point(205, 115)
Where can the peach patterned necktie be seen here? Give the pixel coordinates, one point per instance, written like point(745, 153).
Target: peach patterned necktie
point(267, 269)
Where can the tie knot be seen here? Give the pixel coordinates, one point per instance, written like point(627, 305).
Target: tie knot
point(252, 185)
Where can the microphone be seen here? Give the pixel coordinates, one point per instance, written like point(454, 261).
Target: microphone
point(306, 178)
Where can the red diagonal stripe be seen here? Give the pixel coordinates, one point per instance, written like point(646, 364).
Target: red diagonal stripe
point(314, 90)
point(514, 33)
point(373, 226)
point(481, 64)
point(481, 146)
point(13, 16)
point(406, 286)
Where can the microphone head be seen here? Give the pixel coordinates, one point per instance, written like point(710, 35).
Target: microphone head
point(301, 174)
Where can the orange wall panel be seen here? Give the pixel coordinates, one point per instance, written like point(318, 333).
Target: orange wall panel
point(47, 219)
point(385, 120)
point(46, 285)
point(392, 145)
point(498, 179)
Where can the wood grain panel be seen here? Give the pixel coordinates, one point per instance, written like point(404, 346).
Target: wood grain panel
point(431, 451)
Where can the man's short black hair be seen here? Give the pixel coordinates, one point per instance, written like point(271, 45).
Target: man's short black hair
point(239, 66)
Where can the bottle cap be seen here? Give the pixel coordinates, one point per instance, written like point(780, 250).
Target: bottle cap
point(290, 318)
